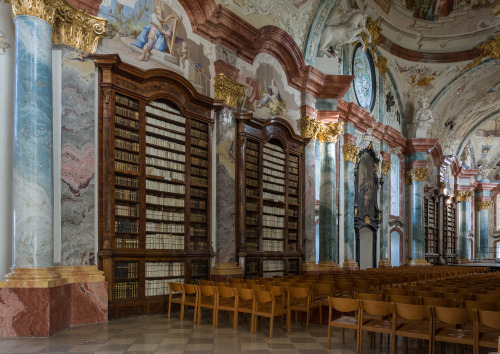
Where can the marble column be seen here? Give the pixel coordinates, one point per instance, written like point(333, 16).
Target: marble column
point(350, 152)
point(384, 260)
point(33, 161)
point(482, 221)
point(327, 204)
point(416, 177)
point(309, 239)
point(463, 224)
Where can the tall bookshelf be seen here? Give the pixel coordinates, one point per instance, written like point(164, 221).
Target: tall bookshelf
point(431, 226)
point(154, 185)
point(269, 199)
point(449, 230)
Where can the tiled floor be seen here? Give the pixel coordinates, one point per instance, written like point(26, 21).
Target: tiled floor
point(157, 334)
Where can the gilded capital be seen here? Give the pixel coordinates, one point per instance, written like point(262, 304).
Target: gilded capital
point(350, 152)
point(71, 26)
point(324, 132)
point(386, 167)
point(463, 196)
point(416, 175)
point(441, 186)
point(489, 49)
point(228, 90)
point(483, 205)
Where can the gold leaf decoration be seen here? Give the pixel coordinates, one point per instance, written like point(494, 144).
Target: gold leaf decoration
point(416, 175)
point(386, 167)
point(228, 90)
point(324, 132)
point(350, 152)
point(489, 49)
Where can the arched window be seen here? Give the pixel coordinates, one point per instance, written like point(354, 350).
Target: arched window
point(395, 183)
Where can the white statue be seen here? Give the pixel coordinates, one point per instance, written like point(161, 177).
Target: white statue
point(422, 119)
point(346, 32)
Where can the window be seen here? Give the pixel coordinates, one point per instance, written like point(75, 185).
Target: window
point(395, 182)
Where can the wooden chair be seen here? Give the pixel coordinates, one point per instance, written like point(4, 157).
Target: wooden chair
point(265, 306)
point(251, 281)
point(227, 300)
point(256, 287)
point(377, 317)
point(176, 296)
point(427, 293)
point(487, 338)
point(344, 306)
point(400, 299)
point(457, 333)
point(238, 285)
point(232, 281)
point(368, 296)
point(191, 297)
point(458, 297)
point(245, 304)
point(399, 292)
point(438, 301)
point(480, 305)
point(487, 297)
point(207, 299)
point(321, 293)
point(361, 285)
point(279, 294)
point(343, 288)
point(299, 300)
point(416, 323)
point(205, 282)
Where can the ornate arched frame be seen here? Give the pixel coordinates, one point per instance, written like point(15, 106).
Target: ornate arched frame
point(401, 243)
point(372, 72)
point(372, 222)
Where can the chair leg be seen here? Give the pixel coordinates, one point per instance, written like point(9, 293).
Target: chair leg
point(271, 323)
point(288, 321)
point(235, 320)
point(307, 320)
point(329, 335)
point(405, 345)
point(182, 312)
point(169, 306)
point(393, 344)
point(343, 336)
point(320, 315)
point(359, 349)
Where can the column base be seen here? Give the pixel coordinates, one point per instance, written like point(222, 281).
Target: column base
point(350, 264)
point(328, 267)
point(384, 263)
point(309, 268)
point(224, 271)
point(463, 260)
point(39, 302)
point(418, 263)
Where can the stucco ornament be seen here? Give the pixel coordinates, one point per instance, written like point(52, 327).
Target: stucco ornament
point(422, 119)
point(3, 43)
point(346, 32)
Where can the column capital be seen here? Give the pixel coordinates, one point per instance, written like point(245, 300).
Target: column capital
point(416, 175)
point(386, 167)
point(463, 196)
point(228, 90)
point(323, 131)
point(71, 26)
point(350, 152)
point(483, 205)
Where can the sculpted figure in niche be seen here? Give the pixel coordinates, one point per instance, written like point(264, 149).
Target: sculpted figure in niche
point(346, 32)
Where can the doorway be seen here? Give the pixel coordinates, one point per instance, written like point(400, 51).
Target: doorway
point(395, 245)
point(366, 247)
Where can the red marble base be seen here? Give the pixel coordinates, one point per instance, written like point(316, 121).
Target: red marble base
point(42, 312)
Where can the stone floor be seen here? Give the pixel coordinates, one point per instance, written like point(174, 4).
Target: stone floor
point(157, 334)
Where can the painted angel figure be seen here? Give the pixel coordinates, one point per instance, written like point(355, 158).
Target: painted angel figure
point(271, 99)
point(153, 35)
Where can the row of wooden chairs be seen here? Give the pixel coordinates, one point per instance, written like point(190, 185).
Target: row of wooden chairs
point(476, 328)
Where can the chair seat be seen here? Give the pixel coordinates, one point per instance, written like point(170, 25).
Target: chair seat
point(278, 310)
point(346, 321)
point(453, 335)
point(489, 340)
point(376, 325)
point(413, 330)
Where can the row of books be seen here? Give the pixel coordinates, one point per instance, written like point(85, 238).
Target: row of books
point(273, 246)
point(292, 236)
point(250, 220)
point(252, 174)
point(271, 152)
point(293, 177)
point(273, 221)
point(273, 233)
point(166, 228)
point(252, 159)
point(199, 180)
point(274, 187)
point(164, 242)
point(200, 135)
point(195, 217)
point(126, 210)
point(126, 101)
point(126, 156)
point(274, 147)
point(126, 270)
point(252, 266)
point(198, 231)
point(199, 193)
point(160, 111)
point(164, 163)
point(127, 194)
point(165, 143)
point(293, 170)
point(293, 213)
point(274, 162)
point(252, 145)
point(293, 225)
point(252, 153)
point(158, 287)
point(165, 187)
point(166, 125)
point(251, 167)
point(165, 154)
point(275, 197)
point(275, 274)
point(164, 133)
point(122, 242)
point(273, 210)
point(199, 125)
point(252, 192)
point(172, 202)
point(293, 200)
point(199, 152)
point(269, 265)
point(166, 174)
point(198, 245)
point(127, 122)
point(126, 227)
point(164, 215)
point(199, 171)
point(252, 182)
point(196, 203)
point(127, 112)
point(199, 162)
point(124, 166)
point(293, 164)
point(252, 245)
point(274, 173)
point(293, 191)
point(164, 269)
point(123, 144)
point(274, 180)
point(199, 268)
point(126, 290)
point(127, 134)
point(293, 158)
point(252, 207)
point(127, 181)
point(293, 184)
point(199, 142)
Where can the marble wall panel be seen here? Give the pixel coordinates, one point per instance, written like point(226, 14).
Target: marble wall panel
point(89, 303)
point(78, 153)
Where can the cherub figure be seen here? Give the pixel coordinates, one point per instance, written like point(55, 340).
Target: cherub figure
point(183, 53)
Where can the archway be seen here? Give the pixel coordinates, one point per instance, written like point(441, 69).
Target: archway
point(366, 247)
point(395, 248)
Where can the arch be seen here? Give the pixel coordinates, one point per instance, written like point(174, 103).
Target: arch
point(401, 243)
point(464, 142)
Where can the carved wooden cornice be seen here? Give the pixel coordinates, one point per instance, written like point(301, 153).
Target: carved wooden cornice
point(483, 205)
point(228, 90)
point(463, 196)
point(323, 131)
point(416, 175)
point(350, 152)
point(71, 26)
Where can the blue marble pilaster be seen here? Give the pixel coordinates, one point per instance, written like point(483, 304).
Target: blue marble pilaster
point(327, 204)
point(33, 161)
point(483, 232)
point(309, 240)
point(417, 227)
point(349, 250)
point(463, 229)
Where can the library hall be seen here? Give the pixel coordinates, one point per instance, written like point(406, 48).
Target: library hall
point(250, 176)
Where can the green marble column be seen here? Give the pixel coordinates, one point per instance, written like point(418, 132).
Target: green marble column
point(416, 177)
point(350, 152)
point(327, 204)
point(384, 260)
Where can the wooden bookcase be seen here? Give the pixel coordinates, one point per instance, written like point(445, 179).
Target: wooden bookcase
point(450, 230)
point(154, 185)
point(431, 224)
point(270, 172)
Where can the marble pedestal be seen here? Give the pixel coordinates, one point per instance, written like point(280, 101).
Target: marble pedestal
point(350, 264)
point(384, 263)
point(225, 271)
point(418, 263)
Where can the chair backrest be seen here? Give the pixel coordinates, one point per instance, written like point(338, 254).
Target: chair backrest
point(487, 297)
point(362, 284)
point(235, 281)
point(438, 301)
point(245, 294)
point(205, 282)
point(368, 296)
point(263, 297)
point(298, 293)
point(480, 305)
point(175, 287)
point(343, 285)
point(400, 292)
point(323, 289)
point(190, 289)
point(207, 290)
point(454, 316)
point(489, 318)
point(303, 285)
point(237, 285)
point(400, 299)
point(343, 305)
point(493, 291)
point(413, 312)
point(458, 296)
point(377, 308)
point(256, 287)
point(278, 292)
point(251, 281)
point(427, 293)
point(220, 283)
